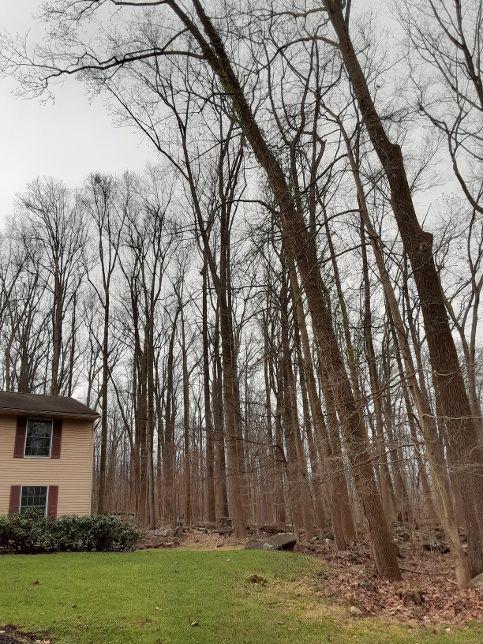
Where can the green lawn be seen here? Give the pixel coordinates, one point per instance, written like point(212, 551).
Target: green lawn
point(181, 596)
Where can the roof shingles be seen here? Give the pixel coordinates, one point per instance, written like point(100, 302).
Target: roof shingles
point(43, 405)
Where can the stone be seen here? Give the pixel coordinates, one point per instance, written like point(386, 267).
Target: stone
point(355, 611)
point(163, 532)
point(477, 582)
point(286, 542)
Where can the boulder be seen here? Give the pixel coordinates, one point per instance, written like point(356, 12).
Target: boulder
point(163, 532)
point(286, 542)
point(477, 582)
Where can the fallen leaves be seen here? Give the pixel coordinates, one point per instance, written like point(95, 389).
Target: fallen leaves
point(427, 593)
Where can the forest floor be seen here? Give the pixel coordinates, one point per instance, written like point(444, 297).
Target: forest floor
point(180, 595)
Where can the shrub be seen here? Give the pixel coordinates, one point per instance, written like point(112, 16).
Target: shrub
point(28, 532)
point(32, 532)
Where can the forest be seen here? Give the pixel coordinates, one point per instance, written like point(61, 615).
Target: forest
point(278, 322)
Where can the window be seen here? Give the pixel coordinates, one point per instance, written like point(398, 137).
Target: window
point(38, 438)
point(33, 496)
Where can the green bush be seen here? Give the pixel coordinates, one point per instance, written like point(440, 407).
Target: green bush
point(28, 532)
point(32, 532)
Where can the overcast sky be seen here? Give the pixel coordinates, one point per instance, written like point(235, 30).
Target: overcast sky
point(75, 135)
point(67, 139)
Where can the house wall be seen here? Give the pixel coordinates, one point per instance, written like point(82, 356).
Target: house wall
point(72, 472)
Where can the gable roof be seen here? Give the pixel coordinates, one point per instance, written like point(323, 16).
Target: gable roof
point(41, 405)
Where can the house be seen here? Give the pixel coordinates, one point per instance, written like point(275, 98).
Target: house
point(46, 454)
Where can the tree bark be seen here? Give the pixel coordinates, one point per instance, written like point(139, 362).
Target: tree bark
point(464, 448)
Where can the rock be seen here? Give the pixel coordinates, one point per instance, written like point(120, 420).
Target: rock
point(477, 582)
point(355, 611)
point(286, 542)
point(169, 532)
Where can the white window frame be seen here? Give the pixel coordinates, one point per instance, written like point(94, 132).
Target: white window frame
point(33, 506)
point(42, 420)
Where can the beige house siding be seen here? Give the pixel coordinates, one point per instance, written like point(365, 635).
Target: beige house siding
point(72, 472)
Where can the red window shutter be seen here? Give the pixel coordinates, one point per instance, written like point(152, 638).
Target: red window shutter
point(53, 500)
point(14, 504)
point(19, 447)
point(56, 438)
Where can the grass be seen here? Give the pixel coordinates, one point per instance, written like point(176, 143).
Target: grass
point(182, 596)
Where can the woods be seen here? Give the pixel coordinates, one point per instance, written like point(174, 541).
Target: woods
point(278, 322)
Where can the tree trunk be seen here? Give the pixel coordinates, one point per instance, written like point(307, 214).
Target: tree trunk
point(464, 449)
point(301, 249)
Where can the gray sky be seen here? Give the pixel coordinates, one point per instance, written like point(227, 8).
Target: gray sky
point(66, 139)
point(75, 135)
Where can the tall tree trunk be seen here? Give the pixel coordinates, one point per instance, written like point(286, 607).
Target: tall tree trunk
point(57, 316)
point(101, 490)
point(426, 419)
point(302, 251)
point(169, 453)
point(186, 425)
point(221, 496)
point(376, 388)
point(297, 473)
point(464, 448)
point(210, 443)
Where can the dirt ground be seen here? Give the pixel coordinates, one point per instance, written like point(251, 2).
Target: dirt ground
point(11, 634)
